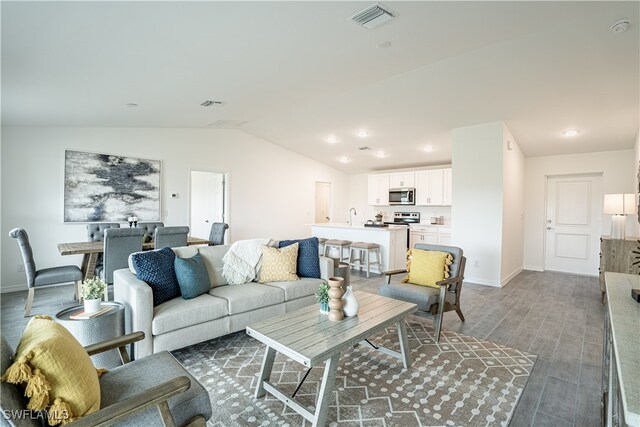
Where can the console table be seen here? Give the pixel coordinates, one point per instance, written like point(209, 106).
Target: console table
point(621, 363)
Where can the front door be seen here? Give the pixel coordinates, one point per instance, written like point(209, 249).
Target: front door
point(573, 223)
point(323, 202)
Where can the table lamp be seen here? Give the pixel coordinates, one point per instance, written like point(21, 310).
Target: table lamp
point(619, 205)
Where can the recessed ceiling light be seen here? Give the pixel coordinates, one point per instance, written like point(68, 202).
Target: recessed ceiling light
point(428, 148)
point(381, 154)
point(332, 139)
point(209, 103)
point(383, 45)
point(344, 159)
point(620, 26)
point(130, 104)
point(570, 132)
point(362, 133)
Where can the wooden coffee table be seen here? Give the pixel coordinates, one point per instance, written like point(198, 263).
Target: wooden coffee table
point(310, 338)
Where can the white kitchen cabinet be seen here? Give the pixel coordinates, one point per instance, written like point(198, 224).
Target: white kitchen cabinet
point(429, 187)
point(378, 190)
point(402, 180)
point(446, 187)
point(432, 235)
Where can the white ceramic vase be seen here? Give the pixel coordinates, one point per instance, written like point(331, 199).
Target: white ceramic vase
point(91, 305)
point(350, 303)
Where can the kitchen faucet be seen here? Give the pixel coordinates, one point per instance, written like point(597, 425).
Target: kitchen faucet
point(355, 213)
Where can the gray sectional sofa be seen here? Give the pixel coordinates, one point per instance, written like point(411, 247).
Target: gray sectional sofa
point(226, 308)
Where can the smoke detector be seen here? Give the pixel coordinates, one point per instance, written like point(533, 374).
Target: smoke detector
point(620, 26)
point(373, 16)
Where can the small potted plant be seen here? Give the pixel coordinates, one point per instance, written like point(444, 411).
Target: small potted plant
point(322, 296)
point(379, 217)
point(92, 292)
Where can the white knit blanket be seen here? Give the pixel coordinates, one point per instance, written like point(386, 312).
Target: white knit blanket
point(241, 262)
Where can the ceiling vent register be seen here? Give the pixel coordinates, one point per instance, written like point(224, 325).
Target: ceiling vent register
point(373, 16)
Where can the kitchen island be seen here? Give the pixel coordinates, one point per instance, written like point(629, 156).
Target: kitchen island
point(392, 241)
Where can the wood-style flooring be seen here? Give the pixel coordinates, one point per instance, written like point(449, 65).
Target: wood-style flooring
point(557, 316)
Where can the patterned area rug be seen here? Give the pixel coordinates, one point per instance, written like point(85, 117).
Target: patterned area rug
point(460, 381)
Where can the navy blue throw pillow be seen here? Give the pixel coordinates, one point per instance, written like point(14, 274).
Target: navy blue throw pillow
point(156, 268)
point(192, 275)
point(308, 261)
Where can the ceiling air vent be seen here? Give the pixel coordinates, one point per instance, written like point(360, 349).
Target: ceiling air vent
point(227, 123)
point(373, 16)
point(364, 148)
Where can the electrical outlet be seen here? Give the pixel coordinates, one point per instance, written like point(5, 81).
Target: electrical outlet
point(20, 268)
point(476, 264)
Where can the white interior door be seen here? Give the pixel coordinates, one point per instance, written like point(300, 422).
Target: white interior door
point(574, 223)
point(207, 202)
point(323, 202)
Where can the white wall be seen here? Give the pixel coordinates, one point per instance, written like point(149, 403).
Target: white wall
point(614, 166)
point(477, 153)
point(635, 180)
point(271, 189)
point(512, 209)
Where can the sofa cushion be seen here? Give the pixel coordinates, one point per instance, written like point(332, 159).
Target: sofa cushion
point(192, 276)
point(212, 257)
point(126, 381)
point(179, 313)
point(308, 256)
point(297, 288)
point(156, 268)
point(279, 264)
point(248, 296)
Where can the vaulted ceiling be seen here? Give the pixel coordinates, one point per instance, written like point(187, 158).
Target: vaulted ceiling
point(297, 72)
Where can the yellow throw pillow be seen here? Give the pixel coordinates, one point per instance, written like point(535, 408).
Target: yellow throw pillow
point(427, 267)
point(56, 371)
point(279, 265)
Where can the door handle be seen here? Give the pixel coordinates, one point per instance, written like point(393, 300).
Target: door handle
point(207, 221)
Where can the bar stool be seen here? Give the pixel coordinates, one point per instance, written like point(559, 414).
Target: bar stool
point(321, 241)
point(338, 244)
point(366, 249)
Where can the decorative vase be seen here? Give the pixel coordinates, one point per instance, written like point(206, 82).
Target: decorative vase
point(335, 298)
point(91, 305)
point(349, 303)
point(324, 307)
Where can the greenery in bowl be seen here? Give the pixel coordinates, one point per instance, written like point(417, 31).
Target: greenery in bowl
point(322, 294)
point(93, 288)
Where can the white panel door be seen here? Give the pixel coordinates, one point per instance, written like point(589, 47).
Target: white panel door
point(574, 223)
point(207, 203)
point(323, 202)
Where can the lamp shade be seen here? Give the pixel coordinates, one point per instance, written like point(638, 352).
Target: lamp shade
point(630, 206)
point(614, 204)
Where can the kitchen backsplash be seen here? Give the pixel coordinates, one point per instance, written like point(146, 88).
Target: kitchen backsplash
point(425, 212)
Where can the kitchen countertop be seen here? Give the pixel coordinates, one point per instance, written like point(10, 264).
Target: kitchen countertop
point(359, 226)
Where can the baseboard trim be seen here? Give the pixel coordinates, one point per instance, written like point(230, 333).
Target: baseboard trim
point(533, 268)
point(5, 289)
point(483, 282)
point(511, 276)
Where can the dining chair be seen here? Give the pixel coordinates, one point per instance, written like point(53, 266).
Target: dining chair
point(45, 276)
point(149, 229)
point(216, 236)
point(95, 233)
point(170, 236)
point(119, 243)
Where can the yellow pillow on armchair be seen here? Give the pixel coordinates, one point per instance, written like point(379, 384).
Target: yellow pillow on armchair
point(427, 267)
point(56, 371)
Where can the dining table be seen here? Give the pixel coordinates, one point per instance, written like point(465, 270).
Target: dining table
point(91, 250)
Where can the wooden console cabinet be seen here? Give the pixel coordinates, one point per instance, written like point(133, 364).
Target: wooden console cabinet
point(616, 255)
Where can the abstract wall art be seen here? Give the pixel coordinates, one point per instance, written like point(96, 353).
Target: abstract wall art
point(104, 187)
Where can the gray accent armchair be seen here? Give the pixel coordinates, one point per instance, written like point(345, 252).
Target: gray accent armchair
point(45, 276)
point(119, 243)
point(216, 236)
point(170, 236)
point(153, 391)
point(149, 229)
point(432, 302)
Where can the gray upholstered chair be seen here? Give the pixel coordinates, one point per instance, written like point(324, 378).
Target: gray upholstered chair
point(431, 301)
point(153, 391)
point(149, 229)
point(170, 236)
point(95, 233)
point(45, 276)
point(119, 243)
point(216, 236)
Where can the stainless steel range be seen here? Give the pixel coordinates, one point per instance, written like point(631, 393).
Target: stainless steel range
point(405, 218)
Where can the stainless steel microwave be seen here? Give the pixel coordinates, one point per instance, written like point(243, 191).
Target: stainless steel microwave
point(402, 196)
